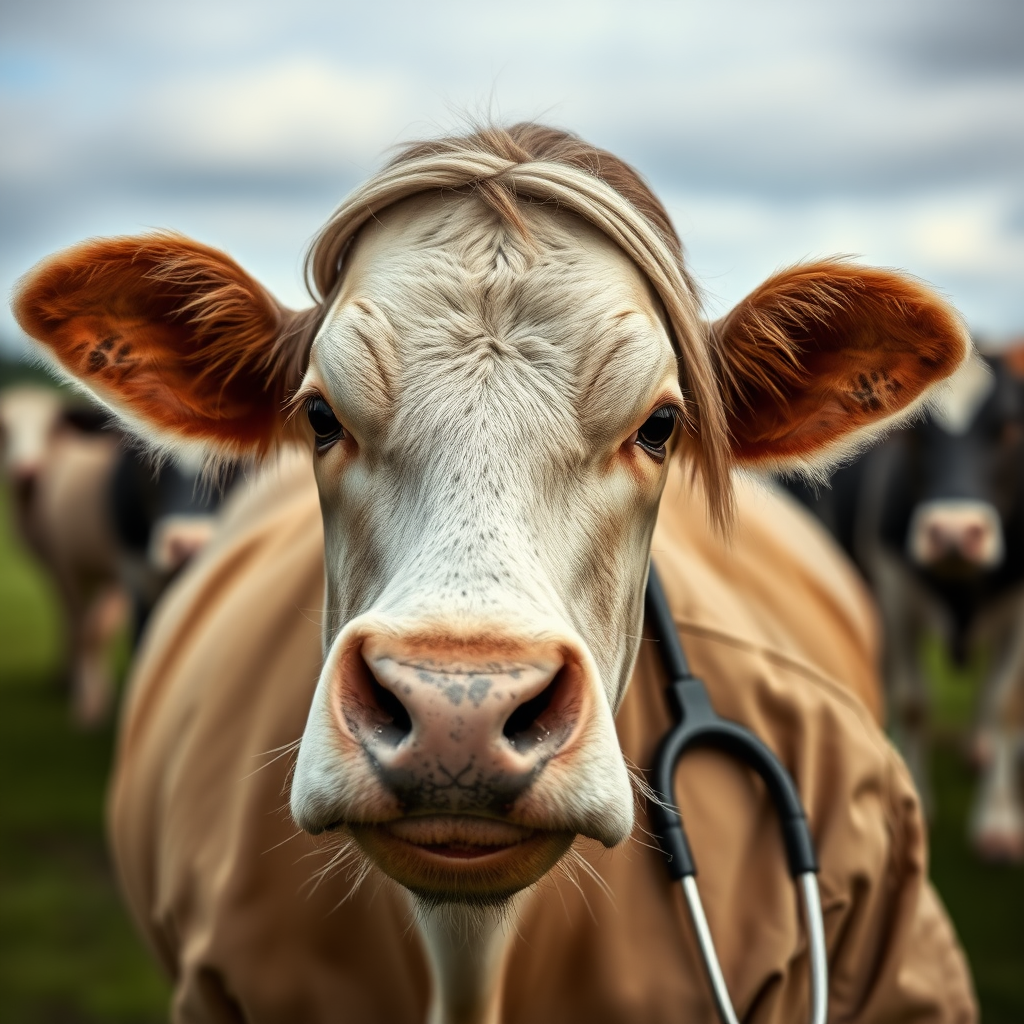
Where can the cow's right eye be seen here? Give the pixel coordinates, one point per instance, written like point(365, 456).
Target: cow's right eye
point(324, 423)
point(659, 427)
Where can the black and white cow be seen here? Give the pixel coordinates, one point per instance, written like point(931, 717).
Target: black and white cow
point(108, 526)
point(934, 517)
point(162, 516)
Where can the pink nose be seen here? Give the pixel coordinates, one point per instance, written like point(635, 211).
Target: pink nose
point(963, 529)
point(965, 538)
point(459, 735)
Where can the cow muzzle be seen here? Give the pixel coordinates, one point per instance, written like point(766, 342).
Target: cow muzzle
point(463, 767)
point(464, 762)
point(956, 534)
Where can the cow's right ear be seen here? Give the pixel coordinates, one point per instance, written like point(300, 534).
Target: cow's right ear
point(173, 336)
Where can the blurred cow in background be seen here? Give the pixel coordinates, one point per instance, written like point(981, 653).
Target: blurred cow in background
point(162, 516)
point(110, 528)
point(934, 517)
point(60, 464)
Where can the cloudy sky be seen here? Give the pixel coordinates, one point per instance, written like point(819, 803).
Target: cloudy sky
point(773, 129)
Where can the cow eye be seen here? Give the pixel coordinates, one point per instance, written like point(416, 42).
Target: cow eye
point(324, 423)
point(654, 434)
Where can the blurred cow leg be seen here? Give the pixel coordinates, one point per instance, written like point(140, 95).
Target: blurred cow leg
point(997, 816)
point(908, 615)
point(72, 511)
point(93, 684)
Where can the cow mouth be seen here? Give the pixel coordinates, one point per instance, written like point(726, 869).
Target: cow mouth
point(955, 567)
point(458, 836)
point(461, 858)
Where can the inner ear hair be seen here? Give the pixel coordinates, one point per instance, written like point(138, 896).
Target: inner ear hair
point(175, 337)
point(824, 355)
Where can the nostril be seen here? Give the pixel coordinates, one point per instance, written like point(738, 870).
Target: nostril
point(391, 721)
point(974, 533)
point(535, 721)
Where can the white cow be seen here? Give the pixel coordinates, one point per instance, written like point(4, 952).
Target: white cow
point(104, 523)
point(506, 354)
point(59, 478)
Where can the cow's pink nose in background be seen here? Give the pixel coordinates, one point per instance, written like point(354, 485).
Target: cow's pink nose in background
point(963, 539)
point(966, 530)
point(460, 736)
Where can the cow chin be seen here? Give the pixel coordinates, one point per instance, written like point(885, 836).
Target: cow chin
point(461, 859)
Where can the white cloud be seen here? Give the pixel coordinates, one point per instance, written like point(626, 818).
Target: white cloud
point(776, 131)
point(958, 241)
point(299, 111)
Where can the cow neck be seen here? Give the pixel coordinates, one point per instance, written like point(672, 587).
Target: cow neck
point(467, 948)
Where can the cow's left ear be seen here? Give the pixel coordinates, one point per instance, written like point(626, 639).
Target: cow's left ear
point(824, 354)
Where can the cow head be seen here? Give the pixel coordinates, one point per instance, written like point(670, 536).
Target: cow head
point(967, 457)
point(29, 416)
point(506, 354)
point(949, 493)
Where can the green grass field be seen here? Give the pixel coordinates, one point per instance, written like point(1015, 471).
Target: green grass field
point(68, 953)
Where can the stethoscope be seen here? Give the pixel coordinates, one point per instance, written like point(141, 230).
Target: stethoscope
point(699, 726)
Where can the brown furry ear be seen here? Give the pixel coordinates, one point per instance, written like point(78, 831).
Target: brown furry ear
point(172, 335)
point(823, 354)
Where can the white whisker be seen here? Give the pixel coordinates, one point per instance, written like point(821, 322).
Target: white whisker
point(355, 879)
point(287, 839)
point(596, 876)
point(567, 867)
point(287, 749)
point(641, 786)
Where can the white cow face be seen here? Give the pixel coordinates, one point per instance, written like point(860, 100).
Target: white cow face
point(28, 418)
point(491, 431)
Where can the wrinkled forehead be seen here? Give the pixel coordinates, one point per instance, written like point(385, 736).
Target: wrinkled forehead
point(455, 227)
point(445, 266)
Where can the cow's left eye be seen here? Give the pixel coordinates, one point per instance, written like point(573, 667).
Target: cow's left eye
point(657, 429)
point(324, 423)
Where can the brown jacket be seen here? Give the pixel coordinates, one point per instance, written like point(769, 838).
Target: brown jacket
point(775, 622)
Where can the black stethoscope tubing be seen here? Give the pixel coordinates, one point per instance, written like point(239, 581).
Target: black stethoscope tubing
point(697, 725)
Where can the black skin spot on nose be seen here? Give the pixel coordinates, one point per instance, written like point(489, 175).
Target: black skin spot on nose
point(438, 788)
